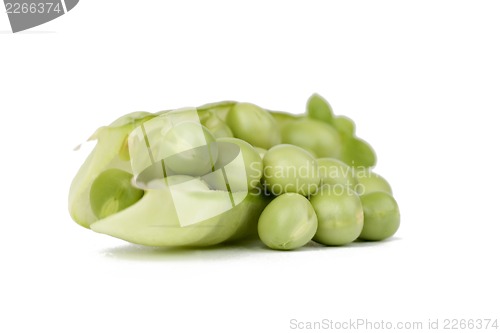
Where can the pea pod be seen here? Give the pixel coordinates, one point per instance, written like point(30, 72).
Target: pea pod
point(154, 219)
point(107, 154)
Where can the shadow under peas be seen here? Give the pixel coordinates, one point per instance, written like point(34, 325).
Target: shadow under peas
point(151, 253)
point(226, 251)
point(363, 243)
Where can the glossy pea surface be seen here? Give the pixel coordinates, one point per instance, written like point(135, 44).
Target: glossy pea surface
point(336, 172)
point(288, 222)
point(358, 153)
point(253, 124)
point(381, 216)
point(290, 169)
point(313, 135)
point(191, 149)
point(369, 181)
point(340, 215)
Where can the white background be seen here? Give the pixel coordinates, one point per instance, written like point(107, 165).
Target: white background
point(420, 78)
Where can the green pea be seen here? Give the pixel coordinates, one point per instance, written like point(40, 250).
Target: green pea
point(315, 136)
point(333, 172)
point(112, 191)
point(340, 215)
point(190, 148)
point(253, 161)
point(369, 181)
point(289, 168)
point(283, 118)
point(319, 109)
point(357, 152)
point(217, 127)
point(220, 109)
point(253, 124)
point(344, 125)
point(213, 116)
point(288, 222)
point(381, 216)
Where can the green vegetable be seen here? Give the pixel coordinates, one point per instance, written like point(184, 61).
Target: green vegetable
point(289, 168)
point(381, 216)
point(288, 222)
point(335, 172)
point(369, 181)
point(228, 170)
point(191, 149)
point(340, 215)
point(213, 117)
point(154, 220)
point(220, 109)
point(344, 125)
point(283, 118)
point(252, 159)
point(319, 109)
point(112, 191)
point(315, 136)
point(357, 152)
point(106, 155)
point(253, 124)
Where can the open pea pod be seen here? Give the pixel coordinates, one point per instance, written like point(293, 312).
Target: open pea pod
point(183, 189)
point(110, 152)
point(154, 219)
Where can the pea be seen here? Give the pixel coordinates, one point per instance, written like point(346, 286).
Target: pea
point(289, 168)
point(340, 215)
point(315, 136)
point(319, 109)
point(191, 149)
point(283, 118)
point(288, 222)
point(112, 191)
point(219, 108)
point(357, 152)
point(253, 124)
point(252, 159)
point(217, 127)
point(335, 172)
point(381, 216)
point(369, 181)
point(213, 116)
point(344, 125)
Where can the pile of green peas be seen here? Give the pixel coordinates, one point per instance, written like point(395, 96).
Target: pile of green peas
point(317, 172)
point(312, 171)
